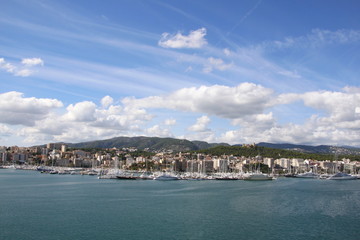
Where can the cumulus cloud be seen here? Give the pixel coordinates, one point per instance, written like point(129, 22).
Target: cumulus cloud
point(340, 106)
point(16, 109)
point(222, 101)
point(200, 125)
point(23, 70)
point(337, 121)
point(257, 121)
point(106, 101)
point(85, 120)
point(81, 112)
point(249, 107)
point(4, 130)
point(158, 131)
point(195, 39)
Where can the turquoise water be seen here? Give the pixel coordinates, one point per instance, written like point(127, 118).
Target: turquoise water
point(42, 206)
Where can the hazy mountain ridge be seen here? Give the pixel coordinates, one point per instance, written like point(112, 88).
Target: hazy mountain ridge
point(321, 149)
point(164, 144)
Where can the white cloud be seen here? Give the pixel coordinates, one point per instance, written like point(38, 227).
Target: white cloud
point(21, 71)
point(227, 52)
point(170, 122)
point(357, 110)
point(4, 130)
point(85, 120)
point(215, 63)
point(290, 74)
point(317, 38)
point(247, 105)
point(207, 136)
point(81, 112)
point(338, 121)
point(257, 121)
point(340, 106)
point(195, 39)
point(106, 101)
point(6, 66)
point(32, 61)
point(222, 101)
point(157, 131)
point(15, 109)
point(200, 125)
point(188, 69)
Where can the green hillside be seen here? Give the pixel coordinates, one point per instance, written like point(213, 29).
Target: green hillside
point(148, 143)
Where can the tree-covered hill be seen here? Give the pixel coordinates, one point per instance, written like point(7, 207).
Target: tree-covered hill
point(148, 143)
point(271, 152)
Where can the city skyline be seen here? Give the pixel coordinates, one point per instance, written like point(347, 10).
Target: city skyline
point(231, 71)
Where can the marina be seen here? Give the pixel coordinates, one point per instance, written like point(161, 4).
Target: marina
point(120, 174)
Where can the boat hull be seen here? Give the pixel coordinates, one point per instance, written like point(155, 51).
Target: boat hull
point(258, 177)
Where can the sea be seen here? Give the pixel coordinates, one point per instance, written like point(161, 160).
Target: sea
point(53, 207)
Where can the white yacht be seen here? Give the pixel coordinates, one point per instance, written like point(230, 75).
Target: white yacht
point(166, 177)
point(307, 175)
point(257, 177)
point(342, 176)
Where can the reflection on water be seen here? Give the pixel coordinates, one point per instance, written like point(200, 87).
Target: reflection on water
point(83, 207)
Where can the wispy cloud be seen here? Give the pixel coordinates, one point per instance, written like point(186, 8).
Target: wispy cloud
point(316, 38)
point(216, 63)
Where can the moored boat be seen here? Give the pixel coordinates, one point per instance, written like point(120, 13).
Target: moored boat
point(258, 177)
point(342, 176)
point(166, 177)
point(126, 177)
point(307, 175)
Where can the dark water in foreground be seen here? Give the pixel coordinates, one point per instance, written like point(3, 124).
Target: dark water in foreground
point(42, 206)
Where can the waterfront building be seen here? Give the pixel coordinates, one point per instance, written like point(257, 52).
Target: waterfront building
point(63, 148)
point(283, 162)
point(179, 165)
point(206, 166)
point(350, 167)
point(129, 160)
point(192, 166)
point(19, 158)
point(140, 159)
point(223, 165)
point(3, 157)
point(269, 161)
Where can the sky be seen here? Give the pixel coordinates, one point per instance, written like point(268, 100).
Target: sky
point(229, 71)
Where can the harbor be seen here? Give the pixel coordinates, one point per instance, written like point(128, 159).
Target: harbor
point(112, 173)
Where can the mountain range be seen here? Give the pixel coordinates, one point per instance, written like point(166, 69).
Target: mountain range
point(156, 144)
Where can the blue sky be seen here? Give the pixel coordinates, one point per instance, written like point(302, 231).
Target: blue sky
point(217, 71)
